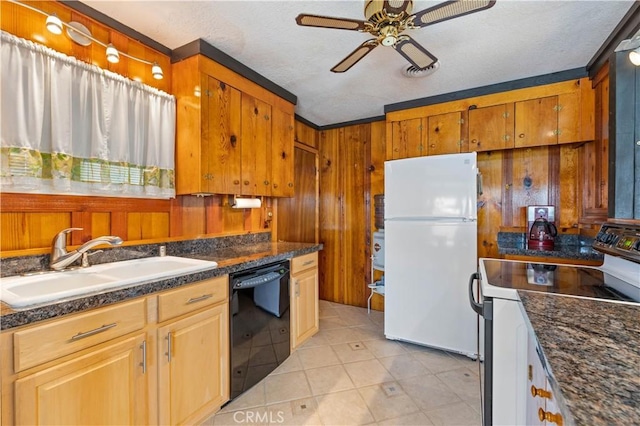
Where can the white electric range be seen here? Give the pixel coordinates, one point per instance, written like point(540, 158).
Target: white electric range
point(617, 280)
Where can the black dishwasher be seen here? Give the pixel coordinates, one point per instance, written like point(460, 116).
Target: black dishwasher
point(259, 323)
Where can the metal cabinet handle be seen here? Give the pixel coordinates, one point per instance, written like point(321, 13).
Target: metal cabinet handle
point(168, 353)
point(198, 299)
point(84, 334)
point(308, 262)
point(143, 364)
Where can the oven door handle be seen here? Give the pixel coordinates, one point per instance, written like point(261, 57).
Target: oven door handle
point(478, 307)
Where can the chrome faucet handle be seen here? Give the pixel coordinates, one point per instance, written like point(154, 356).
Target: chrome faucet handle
point(59, 246)
point(85, 257)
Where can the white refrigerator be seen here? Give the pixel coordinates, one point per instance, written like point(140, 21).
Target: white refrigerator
point(430, 226)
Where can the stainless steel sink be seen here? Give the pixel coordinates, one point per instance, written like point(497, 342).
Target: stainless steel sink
point(26, 291)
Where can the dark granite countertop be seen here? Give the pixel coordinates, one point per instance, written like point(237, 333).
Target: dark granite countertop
point(230, 256)
point(566, 247)
point(592, 348)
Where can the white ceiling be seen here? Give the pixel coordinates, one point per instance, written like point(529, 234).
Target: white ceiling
point(512, 40)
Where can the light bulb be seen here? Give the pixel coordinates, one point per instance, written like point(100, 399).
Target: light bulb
point(634, 56)
point(112, 54)
point(54, 24)
point(156, 71)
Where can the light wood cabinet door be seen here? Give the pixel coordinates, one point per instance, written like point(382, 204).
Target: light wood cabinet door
point(256, 146)
point(221, 138)
point(407, 139)
point(107, 386)
point(304, 306)
point(193, 376)
point(282, 160)
point(536, 122)
point(445, 133)
point(491, 128)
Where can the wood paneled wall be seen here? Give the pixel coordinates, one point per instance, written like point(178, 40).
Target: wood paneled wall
point(31, 221)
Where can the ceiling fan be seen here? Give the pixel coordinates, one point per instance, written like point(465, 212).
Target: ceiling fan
point(387, 19)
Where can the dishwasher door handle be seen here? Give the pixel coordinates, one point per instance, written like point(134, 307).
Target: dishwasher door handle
point(475, 305)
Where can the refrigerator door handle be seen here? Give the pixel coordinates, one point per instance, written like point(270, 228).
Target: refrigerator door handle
point(475, 305)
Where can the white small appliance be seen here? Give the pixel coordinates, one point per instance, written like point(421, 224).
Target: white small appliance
point(430, 230)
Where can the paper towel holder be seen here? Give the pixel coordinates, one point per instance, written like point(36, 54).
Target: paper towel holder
point(245, 203)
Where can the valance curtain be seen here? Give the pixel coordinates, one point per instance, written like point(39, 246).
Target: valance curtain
point(68, 127)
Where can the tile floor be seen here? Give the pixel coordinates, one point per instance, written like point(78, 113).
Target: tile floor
point(349, 374)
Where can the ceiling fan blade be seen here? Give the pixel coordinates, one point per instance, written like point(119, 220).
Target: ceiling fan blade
point(330, 22)
point(414, 52)
point(448, 10)
point(355, 56)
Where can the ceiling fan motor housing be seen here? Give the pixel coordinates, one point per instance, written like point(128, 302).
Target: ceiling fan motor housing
point(378, 10)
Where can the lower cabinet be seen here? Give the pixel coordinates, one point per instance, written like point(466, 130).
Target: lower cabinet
point(304, 298)
point(193, 367)
point(107, 386)
point(159, 359)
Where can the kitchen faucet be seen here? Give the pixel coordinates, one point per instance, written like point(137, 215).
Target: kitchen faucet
point(60, 258)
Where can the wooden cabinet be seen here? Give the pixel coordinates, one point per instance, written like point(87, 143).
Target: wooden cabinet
point(160, 359)
point(551, 114)
point(220, 145)
point(105, 386)
point(193, 352)
point(445, 133)
point(229, 133)
point(491, 128)
point(88, 368)
point(407, 139)
point(304, 298)
point(536, 122)
point(282, 154)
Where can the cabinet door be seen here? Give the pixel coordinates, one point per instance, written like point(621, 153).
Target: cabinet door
point(445, 133)
point(221, 127)
point(407, 139)
point(282, 154)
point(256, 143)
point(536, 122)
point(193, 364)
point(107, 386)
point(569, 124)
point(304, 306)
point(491, 128)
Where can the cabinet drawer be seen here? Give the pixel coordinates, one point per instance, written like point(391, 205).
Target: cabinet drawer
point(177, 302)
point(304, 262)
point(47, 342)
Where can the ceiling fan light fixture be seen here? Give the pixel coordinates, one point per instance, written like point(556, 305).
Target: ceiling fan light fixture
point(389, 35)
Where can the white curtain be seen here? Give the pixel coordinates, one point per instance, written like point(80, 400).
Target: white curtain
point(68, 127)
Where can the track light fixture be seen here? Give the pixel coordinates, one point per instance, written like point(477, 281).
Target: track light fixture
point(112, 54)
point(55, 26)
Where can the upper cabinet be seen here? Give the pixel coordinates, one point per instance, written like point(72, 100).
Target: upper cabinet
point(536, 116)
point(233, 136)
point(445, 133)
point(491, 128)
